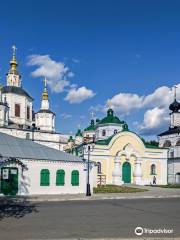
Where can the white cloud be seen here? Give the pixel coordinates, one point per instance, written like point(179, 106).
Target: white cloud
point(154, 106)
point(161, 97)
point(57, 73)
point(155, 120)
point(124, 103)
point(78, 95)
point(65, 116)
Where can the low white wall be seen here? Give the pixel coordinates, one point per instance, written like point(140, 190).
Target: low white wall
point(29, 180)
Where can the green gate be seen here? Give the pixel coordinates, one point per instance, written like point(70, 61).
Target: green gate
point(126, 172)
point(9, 180)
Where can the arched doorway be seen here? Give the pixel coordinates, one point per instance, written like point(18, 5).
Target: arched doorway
point(126, 172)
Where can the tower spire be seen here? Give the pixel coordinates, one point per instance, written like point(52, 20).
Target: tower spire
point(45, 92)
point(175, 87)
point(13, 62)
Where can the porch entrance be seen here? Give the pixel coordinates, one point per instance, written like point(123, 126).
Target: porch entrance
point(126, 172)
point(9, 180)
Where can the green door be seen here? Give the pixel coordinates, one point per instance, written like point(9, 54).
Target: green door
point(9, 180)
point(126, 172)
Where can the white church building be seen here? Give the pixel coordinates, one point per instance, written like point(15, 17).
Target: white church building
point(17, 117)
point(171, 139)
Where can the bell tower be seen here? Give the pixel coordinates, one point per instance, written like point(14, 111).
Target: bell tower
point(175, 114)
point(13, 77)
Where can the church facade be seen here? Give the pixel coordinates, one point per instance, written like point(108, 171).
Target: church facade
point(17, 117)
point(121, 155)
point(171, 140)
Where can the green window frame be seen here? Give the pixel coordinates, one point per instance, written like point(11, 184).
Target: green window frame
point(75, 178)
point(60, 177)
point(45, 177)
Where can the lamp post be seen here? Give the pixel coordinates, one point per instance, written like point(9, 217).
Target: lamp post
point(88, 187)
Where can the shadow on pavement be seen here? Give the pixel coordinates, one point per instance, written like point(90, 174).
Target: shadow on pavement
point(16, 207)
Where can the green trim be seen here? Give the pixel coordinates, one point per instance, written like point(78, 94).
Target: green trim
point(45, 175)
point(60, 176)
point(79, 133)
point(110, 118)
point(91, 127)
point(75, 178)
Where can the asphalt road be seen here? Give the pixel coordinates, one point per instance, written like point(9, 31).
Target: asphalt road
point(88, 219)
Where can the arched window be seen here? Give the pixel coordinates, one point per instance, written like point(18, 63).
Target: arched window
point(99, 167)
point(17, 110)
point(45, 177)
point(153, 169)
point(178, 143)
point(115, 131)
point(28, 136)
point(60, 175)
point(75, 178)
point(104, 133)
point(167, 143)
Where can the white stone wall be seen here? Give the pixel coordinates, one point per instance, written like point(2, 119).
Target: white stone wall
point(45, 121)
point(53, 140)
point(173, 169)
point(4, 115)
point(175, 119)
point(13, 99)
point(109, 128)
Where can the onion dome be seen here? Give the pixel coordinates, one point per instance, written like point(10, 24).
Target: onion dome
point(175, 106)
point(79, 133)
point(45, 92)
point(110, 118)
point(70, 139)
point(13, 62)
point(91, 127)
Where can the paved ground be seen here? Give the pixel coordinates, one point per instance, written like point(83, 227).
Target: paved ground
point(87, 219)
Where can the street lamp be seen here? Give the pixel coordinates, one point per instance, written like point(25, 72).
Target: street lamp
point(88, 188)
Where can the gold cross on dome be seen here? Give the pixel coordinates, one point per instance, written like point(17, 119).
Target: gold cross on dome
point(45, 82)
point(14, 48)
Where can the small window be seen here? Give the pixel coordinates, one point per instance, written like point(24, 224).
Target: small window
point(153, 169)
point(75, 178)
point(99, 167)
point(28, 113)
point(60, 175)
point(104, 133)
point(167, 143)
point(17, 110)
point(28, 136)
point(115, 131)
point(45, 177)
point(178, 143)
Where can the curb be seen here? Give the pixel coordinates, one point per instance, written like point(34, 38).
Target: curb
point(56, 199)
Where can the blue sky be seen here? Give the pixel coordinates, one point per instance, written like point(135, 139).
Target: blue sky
point(92, 51)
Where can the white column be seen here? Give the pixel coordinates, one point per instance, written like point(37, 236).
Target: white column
point(138, 172)
point(116, 174)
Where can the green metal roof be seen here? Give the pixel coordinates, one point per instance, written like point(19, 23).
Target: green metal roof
point(79, 133)
point(110, 118)
point(91, 127)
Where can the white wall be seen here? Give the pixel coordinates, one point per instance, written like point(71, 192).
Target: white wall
point(29, 180)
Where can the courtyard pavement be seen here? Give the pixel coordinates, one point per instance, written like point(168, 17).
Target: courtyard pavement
point(103, 219)
point(153, 192)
